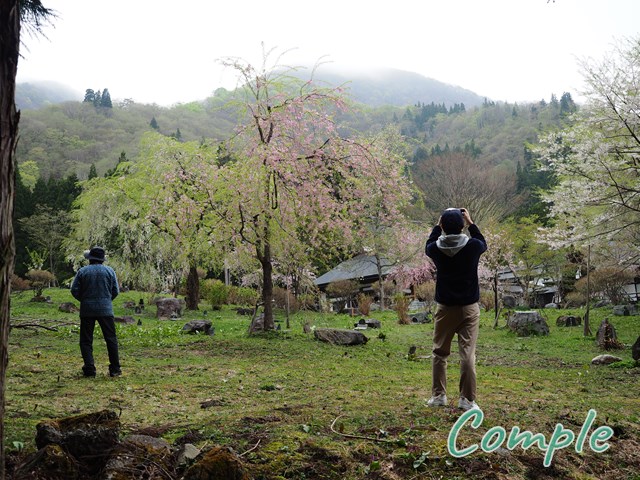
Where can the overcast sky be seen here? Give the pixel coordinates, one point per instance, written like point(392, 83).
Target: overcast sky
point(166, 52)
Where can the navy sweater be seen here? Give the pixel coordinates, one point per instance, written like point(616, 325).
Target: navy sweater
point(95, 286)
point(457, 276)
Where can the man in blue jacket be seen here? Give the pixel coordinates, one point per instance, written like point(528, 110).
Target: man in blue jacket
point(456, 257)
point(95, 286)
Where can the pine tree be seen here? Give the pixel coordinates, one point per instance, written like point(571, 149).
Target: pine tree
point(89, 96)
point(93, 173)
point(154, 124)
point(105, 101)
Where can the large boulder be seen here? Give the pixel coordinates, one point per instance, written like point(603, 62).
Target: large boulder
point(169, 307)
point(337, 336)
point(528, 323)
point(509, 301)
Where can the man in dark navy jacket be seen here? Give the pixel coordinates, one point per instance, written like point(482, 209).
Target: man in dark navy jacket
point(456, 257)
point(96, 285)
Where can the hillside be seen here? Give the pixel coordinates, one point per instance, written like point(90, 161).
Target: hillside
point(388, 86)
point(35, 95)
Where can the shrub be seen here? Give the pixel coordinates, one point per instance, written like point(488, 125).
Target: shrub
point(215, 292)
point(40, 279)
point(364, 303)
point(19, 284)
point(487, 300)
point(607, 282)
point(401, 306)
point(242, 295)
point(575, 299)
point(344, 291)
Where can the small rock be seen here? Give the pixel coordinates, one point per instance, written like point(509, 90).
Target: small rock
point(605, 360)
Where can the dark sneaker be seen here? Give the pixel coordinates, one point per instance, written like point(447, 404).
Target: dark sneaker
point(89, 372)
point(115, 374)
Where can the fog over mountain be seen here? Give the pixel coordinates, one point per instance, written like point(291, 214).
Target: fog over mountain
point(374, 87)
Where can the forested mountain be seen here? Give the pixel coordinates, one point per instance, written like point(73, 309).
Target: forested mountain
point(388, 86)
point(34, 95)
point(478, 149)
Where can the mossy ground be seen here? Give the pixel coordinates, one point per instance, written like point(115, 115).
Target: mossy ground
point(297, 408)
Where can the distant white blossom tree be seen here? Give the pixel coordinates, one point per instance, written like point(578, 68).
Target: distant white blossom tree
point(597, 160)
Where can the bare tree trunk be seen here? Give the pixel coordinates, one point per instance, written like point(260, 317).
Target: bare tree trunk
point(9, 117)
point(193, 288)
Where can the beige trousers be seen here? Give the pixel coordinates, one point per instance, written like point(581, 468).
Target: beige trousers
point(450, 320)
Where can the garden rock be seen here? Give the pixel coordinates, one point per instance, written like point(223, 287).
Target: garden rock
point(244, 311)
point(568, 321)
point(365, 323)
point(337, 336)
point(199, 326)
point(218, 463)
point(169, 307)
point(422, 317)
point(605, 360)
point(68, 307)
point(635, 350)
point(187, 454)
point(624, 310)
point(127, 320)
point(131, 304)
point(87, 438)
point(139, 456)
point(551, 305)
point(607, 338)
point(527, 323)
point(509, 301)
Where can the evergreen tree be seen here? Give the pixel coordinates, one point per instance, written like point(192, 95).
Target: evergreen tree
point(154, 124)
point(97, 99)
point(105, 101)
point(89, 96)
point(93, 173)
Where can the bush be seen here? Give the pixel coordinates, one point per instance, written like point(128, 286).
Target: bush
point(487, 300)
point(40, 279)
point(344, 291)
point(215, 292)
point(364, 303)
point(242, 295)
point(19, 284)
point(575, 299)
point(607, 282)
point(401, 306)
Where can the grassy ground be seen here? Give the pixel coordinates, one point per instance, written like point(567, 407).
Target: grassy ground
point(300, 409)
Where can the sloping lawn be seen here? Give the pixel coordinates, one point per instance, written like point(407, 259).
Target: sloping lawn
point(297, 408)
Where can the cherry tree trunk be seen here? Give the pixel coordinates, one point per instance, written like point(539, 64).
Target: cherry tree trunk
point(193, 289)
point(9, 117)
point(267, 287)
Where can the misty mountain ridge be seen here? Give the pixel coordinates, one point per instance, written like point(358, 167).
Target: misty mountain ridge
point(373, 86)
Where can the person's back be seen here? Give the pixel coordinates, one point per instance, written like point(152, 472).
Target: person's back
point(456, 257)
point(95, 286)
point(456, 265)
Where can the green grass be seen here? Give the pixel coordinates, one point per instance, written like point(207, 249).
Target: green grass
point(280, 393)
